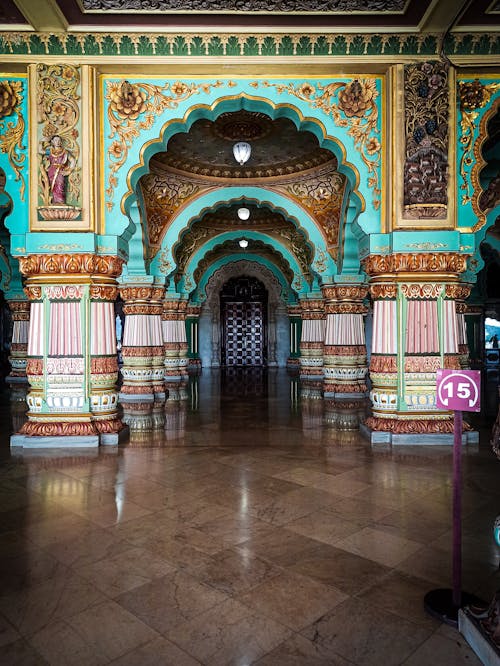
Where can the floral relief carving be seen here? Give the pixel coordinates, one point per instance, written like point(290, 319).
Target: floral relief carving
point(66, 292)
point(473, 95)
point(377, 264)
point(88, 264)
point(351, 105)
point(411, 426)
point(458, 292)
point(415, 290)
point(382, 290)
point(426, 136)
point(133, 108)
point(344, 292)
point(11, 133)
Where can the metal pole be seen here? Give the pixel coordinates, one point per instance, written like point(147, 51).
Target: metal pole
point(457, 510)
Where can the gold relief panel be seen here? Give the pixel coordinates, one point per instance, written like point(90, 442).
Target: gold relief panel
point(55, 264)
point(345, 308)
point(458, 292)
point(11, 132)
point(422, 291)
point(382, 290)
point(344, 292)
point(424, 262)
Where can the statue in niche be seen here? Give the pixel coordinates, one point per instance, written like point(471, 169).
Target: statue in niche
point(58, 164)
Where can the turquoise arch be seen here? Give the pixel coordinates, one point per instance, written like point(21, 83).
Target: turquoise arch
point(323, 265)
point(251, 235)
point(199, 295)
point(280, 100)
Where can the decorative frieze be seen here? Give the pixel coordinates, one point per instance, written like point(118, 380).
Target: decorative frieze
point(71, 264)
point(422, 262)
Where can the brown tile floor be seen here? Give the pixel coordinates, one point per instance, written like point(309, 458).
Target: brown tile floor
point(237, 528)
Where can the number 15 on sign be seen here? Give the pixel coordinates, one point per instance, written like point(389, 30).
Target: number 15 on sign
point(458, 390)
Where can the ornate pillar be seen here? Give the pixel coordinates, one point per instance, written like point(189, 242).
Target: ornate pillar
point(20, 310)
point(142, 345)
point(415, 332)
point(71, 365)
point(344, 351)
point(295, 319)
point(175, 346)
point(311, 347)
point(192, 332)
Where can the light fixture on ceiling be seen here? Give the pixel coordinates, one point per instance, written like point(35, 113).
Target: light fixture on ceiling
point(243, 213)
point(241, 152)
point(243, 243)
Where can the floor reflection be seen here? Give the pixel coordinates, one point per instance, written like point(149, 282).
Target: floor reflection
point(252, 518)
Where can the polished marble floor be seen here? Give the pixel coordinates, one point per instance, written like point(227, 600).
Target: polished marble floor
point(238, 526)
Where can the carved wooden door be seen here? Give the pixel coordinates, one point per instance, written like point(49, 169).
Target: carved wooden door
point(243, 308)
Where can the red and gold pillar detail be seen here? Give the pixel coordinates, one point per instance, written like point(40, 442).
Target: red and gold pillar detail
point(142, 349)
point(344, 350)
point(20, 310)
point(192, 322)
point(171, 343)
point(415, 332)
point(459, 293)
point(61, 330)
point(182, 339)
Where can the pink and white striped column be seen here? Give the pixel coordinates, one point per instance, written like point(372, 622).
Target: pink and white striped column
point(311, 347)
point(344, 350)
point(142, 345)
point(69, 404)
point(175, 347)
point(416, 331)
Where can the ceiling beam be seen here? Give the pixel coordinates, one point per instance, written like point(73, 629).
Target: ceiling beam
point(43, 15)
point(442, 14)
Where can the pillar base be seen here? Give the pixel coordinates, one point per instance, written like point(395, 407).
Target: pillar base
point(115, 438)
point(375, 437)
point(55, 442)
point(472, 631)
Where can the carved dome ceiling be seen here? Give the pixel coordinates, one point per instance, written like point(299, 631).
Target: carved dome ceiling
point(278, 149)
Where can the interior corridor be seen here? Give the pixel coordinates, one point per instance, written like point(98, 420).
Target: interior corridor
point(239, 525)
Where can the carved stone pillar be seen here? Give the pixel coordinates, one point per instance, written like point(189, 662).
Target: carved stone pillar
point(295, 319)
point(311, 347)
point(175, 347)
point(415, 332)
point(71, 364)
point(459, 293)
point(192, 330)
point(344, 351)
point(182, 340)
point(20, 310)
point(142, 348)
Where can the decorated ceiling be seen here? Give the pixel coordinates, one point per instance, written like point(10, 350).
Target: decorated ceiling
point(348, 15)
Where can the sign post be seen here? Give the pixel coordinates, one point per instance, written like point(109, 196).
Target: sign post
point(457, 390)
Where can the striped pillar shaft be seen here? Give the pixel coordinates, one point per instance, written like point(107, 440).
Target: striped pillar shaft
point(344, 350)
point(142, 350)
point(416, 331)
point(311, 347)
point(192, 326)
point(18, 358)
point(103, 357)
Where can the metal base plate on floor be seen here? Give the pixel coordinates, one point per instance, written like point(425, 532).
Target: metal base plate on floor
point(439, 604)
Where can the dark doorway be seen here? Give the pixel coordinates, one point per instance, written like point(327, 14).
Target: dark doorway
point(243, 302)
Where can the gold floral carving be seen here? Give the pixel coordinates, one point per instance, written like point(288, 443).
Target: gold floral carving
point(351, 105)
point(64, 291)
point(315, 346)
point(344, 292)
point(33, 293)
point(58, 428)
point(347, 388)
point(99, 292)
point(411, 426)
point(142, 308)
point(383, 364)
point(103, 365)
point(377, 264)
point(383, 290)
point(87, 264)
point(107, 425)
point(311, 305)
point(461, 308)
point(193, 310)
point(345, 350)
point(422, 363)
point(415, 290)
point(345, 308)
point(133, 108)
point(11, 133)
point(458, 292)
point(137, 389)
point(142, 293)
point(20, 310)
point(473, 96)
point(139, 352)
point(34, 366)
point(59, 114)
